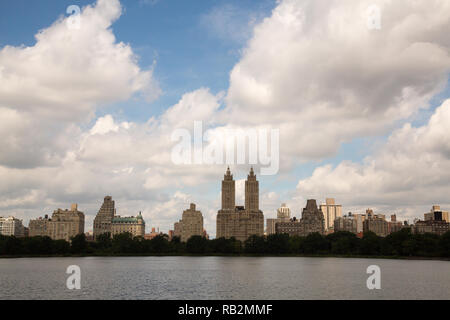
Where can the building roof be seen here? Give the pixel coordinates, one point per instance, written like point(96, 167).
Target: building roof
point(118, 219)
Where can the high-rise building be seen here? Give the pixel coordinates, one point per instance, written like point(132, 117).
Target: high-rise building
point(237, 221)
point(312, 218)
point(191, 224)
point(283, 215)
point(103, 219)
point(292, 227)
point(438, 227)
point(394, 225)
point(39, 227)
point(66, 224)
point(63, 225)
point(436, 221)
point(376, 223)
point(133, 225)
point(346, 223)
point(437, 214)
point(11, 226)
point(331, 211)
point(311, 221)
point(177, 229)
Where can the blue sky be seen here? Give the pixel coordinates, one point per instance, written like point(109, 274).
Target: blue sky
point(188, 50)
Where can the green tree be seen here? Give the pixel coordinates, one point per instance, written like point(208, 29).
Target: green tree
point(296, 244)
point(343, 242)
point(255, 244)
point(277, 243)
point(123, 243)
point(160, 244)
point(79, 244)
point(196, 245)
point(370, 244)
point(315, 243)
point(444, 244)
point(104, 242)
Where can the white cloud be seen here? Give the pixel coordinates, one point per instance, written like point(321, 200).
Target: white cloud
point(410, 172)
point(315, 70)
point(312, 69)
point(61, 80)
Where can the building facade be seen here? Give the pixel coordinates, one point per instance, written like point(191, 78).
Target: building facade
point(103, 219)
point(330, 211)
point(66, 224)
point(133, 225)
point(283, 215)
point(293, 227)
point(63, 225)
point(436, 214)
point(438, 227)
point(11, 226)
point(435, 222)
point(376, 223)
point(191, 224)
point(312, 221)
point(39, 227)
point(346, 223)
point(237, 221)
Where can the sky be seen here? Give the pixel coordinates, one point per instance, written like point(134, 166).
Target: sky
point(363, 112)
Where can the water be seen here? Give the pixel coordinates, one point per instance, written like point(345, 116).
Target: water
point(222, 278)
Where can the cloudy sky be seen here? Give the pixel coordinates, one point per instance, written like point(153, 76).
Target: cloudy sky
point(363, 113)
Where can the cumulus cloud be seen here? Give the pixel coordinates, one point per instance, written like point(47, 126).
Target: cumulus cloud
point(411, 170)
point(61, 80)
point(317, 72)
point(129, 160)
point(311, 69)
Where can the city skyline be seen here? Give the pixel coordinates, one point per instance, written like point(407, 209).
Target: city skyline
point(107, 213)
point(93, 115)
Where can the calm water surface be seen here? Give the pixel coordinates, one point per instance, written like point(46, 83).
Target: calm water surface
point(222, 278)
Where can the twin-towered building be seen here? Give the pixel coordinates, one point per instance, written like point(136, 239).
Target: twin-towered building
point(239, 222)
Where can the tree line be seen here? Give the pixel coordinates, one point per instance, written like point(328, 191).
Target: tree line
point(401, 243)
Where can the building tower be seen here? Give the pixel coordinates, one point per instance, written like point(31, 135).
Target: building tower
point(283, 213)
point(331, 211)
point(252, 192)
point(238, 221)
point(228, 191)
point(102, 222)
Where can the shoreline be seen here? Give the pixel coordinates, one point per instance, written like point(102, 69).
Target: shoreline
point(229, 255)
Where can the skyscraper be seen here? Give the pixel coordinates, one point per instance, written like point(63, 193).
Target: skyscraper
point(102, 221)
point(238, 221)
point(312, 221)
point(191, 224)
point(283, 215)
point(331, 211)
point(63, 225)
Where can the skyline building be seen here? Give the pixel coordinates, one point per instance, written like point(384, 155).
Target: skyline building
point(283, 215)
point(11, 226)
point(331, 211)
point(191, 224)
point(437, 214)
point(133, 225)
point(239, 222)
point(103, 219)
point(63, 225)
point(311, 221)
